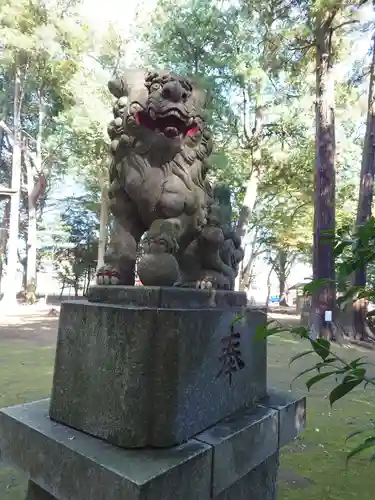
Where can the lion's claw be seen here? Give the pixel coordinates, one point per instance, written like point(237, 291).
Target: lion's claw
point(203, 285)
point(107, 275)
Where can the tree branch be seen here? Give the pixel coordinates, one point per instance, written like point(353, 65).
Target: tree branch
point(353, 21)
point(331, 17)
point(245, 131)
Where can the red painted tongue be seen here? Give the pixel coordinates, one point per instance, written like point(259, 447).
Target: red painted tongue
point(192, 131)
point(171, 132)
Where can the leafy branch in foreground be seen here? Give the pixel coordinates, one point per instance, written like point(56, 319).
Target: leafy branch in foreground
point(348, 374)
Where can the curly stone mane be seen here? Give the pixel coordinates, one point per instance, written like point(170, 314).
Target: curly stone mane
point(161, 125)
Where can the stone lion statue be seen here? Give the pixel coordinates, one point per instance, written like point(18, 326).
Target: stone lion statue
point(159, 193)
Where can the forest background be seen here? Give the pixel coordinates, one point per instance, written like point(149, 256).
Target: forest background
point(291, 108)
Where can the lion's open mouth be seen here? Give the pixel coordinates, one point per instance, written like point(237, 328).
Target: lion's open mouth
point(171, 124)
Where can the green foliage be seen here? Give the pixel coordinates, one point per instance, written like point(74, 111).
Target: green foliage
point(348, 374)
point(75, 252)
point(352, 253)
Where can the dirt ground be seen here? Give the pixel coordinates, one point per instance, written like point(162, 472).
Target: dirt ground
point(35, 325)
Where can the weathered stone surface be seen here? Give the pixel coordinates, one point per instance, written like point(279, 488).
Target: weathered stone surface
point(102, 371)
point(34, 492)
point(141, 296)
point(138, 376)
point(237, 459)
point(165, 297)
point(292, 414)
point(241, 443)
point(71, 465)
point(259, 484)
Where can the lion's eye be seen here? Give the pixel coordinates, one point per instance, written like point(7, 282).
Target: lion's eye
point(155, 86)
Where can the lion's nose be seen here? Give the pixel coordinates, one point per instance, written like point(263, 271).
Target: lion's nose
point(173, 91)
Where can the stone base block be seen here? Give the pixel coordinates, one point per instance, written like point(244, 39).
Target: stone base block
point(259, 484)
point(35, 492)
point(151, 368)
point(236, 459)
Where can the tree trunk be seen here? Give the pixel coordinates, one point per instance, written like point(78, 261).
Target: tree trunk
point(4, 236)
point(247, 265)
point(4, 224)
point(324, 298)
point(251, 190)
point(10, 288)
point(32, 202)
point(269, 285)
point(282, 272)
point(253, 145)
point(103, 223)
point(366, 187)
point(248, 203)
point(4, 117)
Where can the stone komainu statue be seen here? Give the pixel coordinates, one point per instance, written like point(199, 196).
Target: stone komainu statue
point(159, 194)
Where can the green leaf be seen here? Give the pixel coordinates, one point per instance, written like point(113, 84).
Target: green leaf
point(348, 295)
point(236, 320)
point(355, 362)
point(355, 374)
point(360, 431)
point(312, 381)
point(353, 434)
point(341, 390)
point(316, 285)
point(321, 347)
point(264, 331)
point(368, 443)
point(338, 250)
point(301, 331)
point(300, 355)
point(308, 370)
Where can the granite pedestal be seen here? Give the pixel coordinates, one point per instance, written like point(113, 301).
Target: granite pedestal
point(236, 459)
point(156, 396)
point(140, 366)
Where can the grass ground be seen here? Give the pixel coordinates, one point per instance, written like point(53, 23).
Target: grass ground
point(312, 467)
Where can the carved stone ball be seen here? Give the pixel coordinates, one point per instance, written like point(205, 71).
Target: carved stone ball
point(158, 270)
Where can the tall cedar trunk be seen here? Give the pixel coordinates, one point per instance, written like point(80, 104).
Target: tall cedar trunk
point(324, 298)
point(32, 202)
point(103, 223)
point(366, 187)
point(10, 287)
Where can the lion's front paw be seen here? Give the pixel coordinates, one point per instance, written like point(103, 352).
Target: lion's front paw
point(107, 275)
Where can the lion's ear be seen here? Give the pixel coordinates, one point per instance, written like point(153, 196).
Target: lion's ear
point(118, 87)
